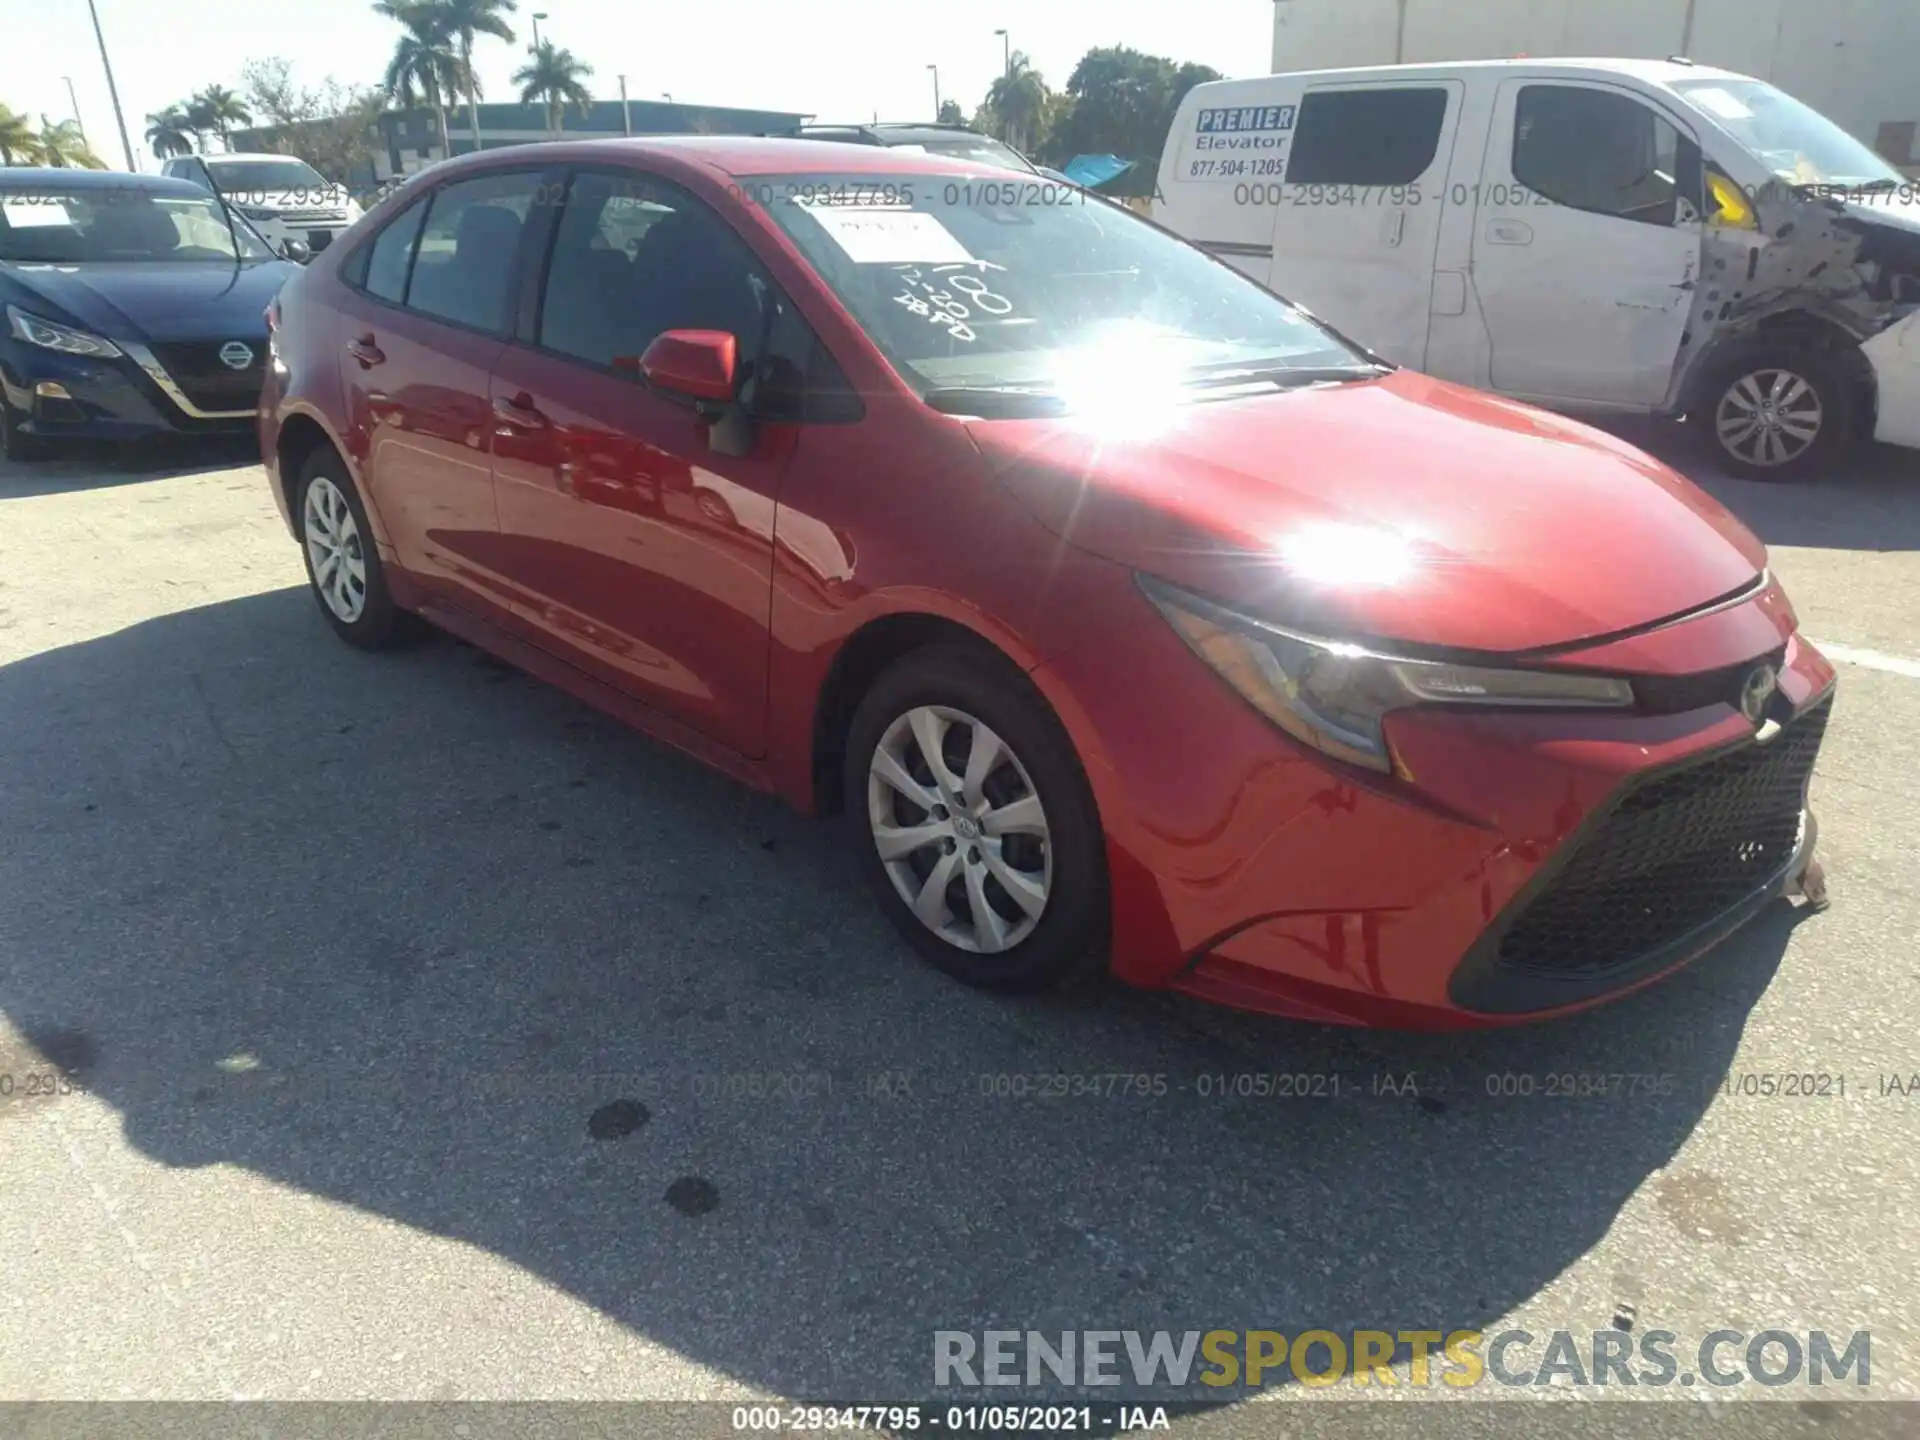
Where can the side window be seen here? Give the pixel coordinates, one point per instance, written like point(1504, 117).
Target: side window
point(464, 265)
point(632, 258)
point(1367, 137)
point(1603, 152)
point(383, 264)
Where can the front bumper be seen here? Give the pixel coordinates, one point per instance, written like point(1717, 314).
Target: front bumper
point(1249, 872)
point(70, 397)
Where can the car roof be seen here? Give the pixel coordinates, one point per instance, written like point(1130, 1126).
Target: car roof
point(730, 155)
point(42, 177)
point(1657, 72)
point(246, 156)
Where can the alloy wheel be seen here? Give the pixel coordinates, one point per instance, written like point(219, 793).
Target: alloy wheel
point(334, 550)
point(1769, 417)
point(959, 828)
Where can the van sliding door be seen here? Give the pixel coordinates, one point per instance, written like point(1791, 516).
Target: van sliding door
point(1357, 219)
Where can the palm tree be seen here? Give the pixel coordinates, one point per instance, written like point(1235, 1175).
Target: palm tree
point(425, 64)
point(221, 111)
point(19, 142)
point(169, 132)
point(1019, 99)
point(554, 76)
point(64, 147)
point(462, 21)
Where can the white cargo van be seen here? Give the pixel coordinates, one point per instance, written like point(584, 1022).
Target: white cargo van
point(1617, 236)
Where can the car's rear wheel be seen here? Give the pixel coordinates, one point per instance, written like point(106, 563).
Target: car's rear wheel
point(977, 830)
point(15, 443)
point(343, 564)
point(1778, 412)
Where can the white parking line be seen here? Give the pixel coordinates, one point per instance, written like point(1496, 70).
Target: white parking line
point(1870, 659)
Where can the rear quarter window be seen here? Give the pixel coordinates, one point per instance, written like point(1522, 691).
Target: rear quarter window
point(1387, 136)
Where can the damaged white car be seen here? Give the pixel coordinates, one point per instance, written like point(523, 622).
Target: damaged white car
point(1598, 236)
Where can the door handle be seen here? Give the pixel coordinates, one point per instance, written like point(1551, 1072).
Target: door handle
point(1509, 232)
point(366, 352)
point(1393, 229)
point(519, 412)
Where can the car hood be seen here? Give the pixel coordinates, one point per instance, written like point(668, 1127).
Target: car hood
point(1400, 509)
point(158, 300)
point(240, 194)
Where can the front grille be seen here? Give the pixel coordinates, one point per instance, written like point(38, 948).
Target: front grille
point(1674, 694)
point(207, 380)
point(1674, 852)
point(312, 217)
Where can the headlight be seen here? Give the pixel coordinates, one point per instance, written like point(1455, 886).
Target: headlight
point(1333, 696)
point(49, 336)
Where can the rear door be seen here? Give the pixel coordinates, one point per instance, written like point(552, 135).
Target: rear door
point(1357, 220)
point(420, 332)
point(1586, 245)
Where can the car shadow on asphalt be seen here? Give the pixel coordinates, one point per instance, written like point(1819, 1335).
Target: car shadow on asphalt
point(1871, 501)
point(102, 467)
point(416, 934)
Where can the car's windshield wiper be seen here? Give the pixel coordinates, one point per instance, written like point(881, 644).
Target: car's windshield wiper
point(1287, 376)
point(997, 402)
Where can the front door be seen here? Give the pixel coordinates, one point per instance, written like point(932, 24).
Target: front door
point(1586, 245)
point(1357, 226)
point(634, 548)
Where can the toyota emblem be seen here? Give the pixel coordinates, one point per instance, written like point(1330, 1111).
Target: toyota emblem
point(1756, 690)
point(236, 355)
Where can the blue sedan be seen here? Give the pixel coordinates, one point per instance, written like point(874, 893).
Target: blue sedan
point(134, 306)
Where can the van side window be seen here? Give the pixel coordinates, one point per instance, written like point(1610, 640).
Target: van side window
point(1367, 137)
point(1602, 152)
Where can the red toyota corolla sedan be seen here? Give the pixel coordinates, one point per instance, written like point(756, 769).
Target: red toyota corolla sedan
point(1135, 620)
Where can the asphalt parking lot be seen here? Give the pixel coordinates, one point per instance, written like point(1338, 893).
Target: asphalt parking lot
point(413, 1013)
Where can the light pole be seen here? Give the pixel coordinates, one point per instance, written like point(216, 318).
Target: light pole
point(74, 100)
point(666, 96)
point(936, 92)
point(113, 91)
point(1006, 52)
point(538, 16)
point(626, 115)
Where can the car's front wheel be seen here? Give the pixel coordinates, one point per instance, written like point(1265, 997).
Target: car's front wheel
point(1780, 412)
point(343, 565)
point(977, 830)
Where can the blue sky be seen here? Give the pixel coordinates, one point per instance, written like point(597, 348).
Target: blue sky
point(840, 59)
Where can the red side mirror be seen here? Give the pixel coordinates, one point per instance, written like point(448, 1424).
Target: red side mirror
point(695, 363)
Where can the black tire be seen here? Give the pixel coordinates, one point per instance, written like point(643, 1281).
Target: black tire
point(15, 444)
point(380, 622)
point(1067, 942)
point(1733, 383)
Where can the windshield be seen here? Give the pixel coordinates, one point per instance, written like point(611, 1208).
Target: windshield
point(99, 225)
point(979, 282)
point(268, 176)
point(1797, 142)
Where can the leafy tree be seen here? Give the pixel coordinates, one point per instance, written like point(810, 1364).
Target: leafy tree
point(951, 113)
point(555, 78)
point(1122, 103)
point(19, 142)
point(170, 132)
point(462, 21)
point(64, 147)
point(335, 128)
point(1018, 101)
point(426, 63)
point(218, 109)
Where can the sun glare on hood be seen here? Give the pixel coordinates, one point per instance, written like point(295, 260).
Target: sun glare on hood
point(1348, 555)
point(1124, 385)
